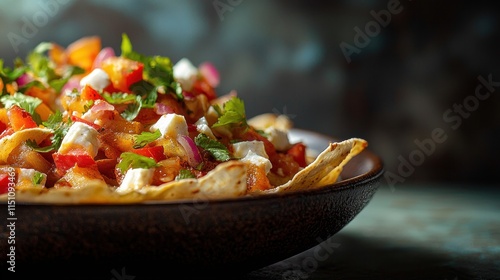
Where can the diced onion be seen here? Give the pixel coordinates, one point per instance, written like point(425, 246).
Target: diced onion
point(162, 109)
point(210, 73)
point(194, 157)
point(101, 105)
point(73, 83)
point(103, 55)
point(23, 79)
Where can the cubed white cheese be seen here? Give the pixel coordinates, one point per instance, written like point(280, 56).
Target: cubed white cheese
point(97, 79)
point(279, 138)
point(202, 127)
point(185, 73)
point(135, 179)
point(83, 136)
point(171, 125)
point(253, 152)
point(241, 149)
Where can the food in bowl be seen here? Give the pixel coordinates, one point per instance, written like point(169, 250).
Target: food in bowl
point(81, 124)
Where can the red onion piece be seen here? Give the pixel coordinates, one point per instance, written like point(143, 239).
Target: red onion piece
point(73, 83)
point(188, 95)
point(194, 157)
point(162, 109)
point(210, 73)
point(103, 55)
point(101, 105)
point(23, 79)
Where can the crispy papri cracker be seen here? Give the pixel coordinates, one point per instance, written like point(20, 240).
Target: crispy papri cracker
point(326, 168)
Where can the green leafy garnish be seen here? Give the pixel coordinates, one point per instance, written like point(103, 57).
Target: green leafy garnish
point(59, 127)
point(28, 103)
point(118, 97)
point(37, 178)
point(214, 147)
point(132, 160)
point(184, 174)
point(233, 113)
point(132, 109)
point(158, 70)
point(145, 138)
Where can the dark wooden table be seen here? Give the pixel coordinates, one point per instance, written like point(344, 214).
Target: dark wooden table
point(408, 232)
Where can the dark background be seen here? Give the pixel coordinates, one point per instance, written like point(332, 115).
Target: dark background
point(286, 57)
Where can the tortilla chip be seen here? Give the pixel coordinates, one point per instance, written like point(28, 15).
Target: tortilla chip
point(326, 168)
point(228, 179)
point(9, 143)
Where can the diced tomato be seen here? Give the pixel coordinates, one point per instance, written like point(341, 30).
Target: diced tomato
point(123, 72)
point(3, 127)
point(201, 86)
point(4, 183)
point(155, 152)
point(7, 132)
point(89, 93)
point(20, 119)
point(78, 119)
point(298, 153)
point(251, 135)
point(83, 52)
point(66, 161)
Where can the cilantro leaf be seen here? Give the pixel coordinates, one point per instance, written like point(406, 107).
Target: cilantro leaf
point(158, 70)
point(133, 109)
point(184, 174)
point(59, 127)
point(118, 97)
point(28, 103)
point(145, 138)
point(233, 113)
point(214, 147)
point(37, 178)
point(132, 160)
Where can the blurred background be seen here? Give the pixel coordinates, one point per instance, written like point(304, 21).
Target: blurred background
point(418, 79)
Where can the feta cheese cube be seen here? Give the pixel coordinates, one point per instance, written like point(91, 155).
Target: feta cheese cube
point(252, 152)
point(25, 177)
point(185, 73)
point(97, 79)
point(202, 127)
point(80, 135)
point(135, 179)
point(279, 138)
point(171, 125)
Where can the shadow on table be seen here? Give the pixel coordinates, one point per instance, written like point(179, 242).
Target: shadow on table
point(347, 256)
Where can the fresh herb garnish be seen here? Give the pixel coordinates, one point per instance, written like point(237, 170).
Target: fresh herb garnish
point(214, 147)
point(184, 174)
point(132, 160)
point(37, 178)
point(233, 113)
point(26, 102)
point(59, 127)
point(145, 138)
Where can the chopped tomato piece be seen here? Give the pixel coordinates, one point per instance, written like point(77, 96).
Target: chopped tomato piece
point(66, 161)
point(89, 93)
point(123, 72)
point(298, 153)
point(4, 183)
point(154, 152)
point(3, 127)
point(20, 119)
point(201, 86)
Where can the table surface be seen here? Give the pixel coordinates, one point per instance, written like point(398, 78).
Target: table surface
point(408, 232)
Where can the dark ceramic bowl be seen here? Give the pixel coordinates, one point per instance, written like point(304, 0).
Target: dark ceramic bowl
point(158, 240)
